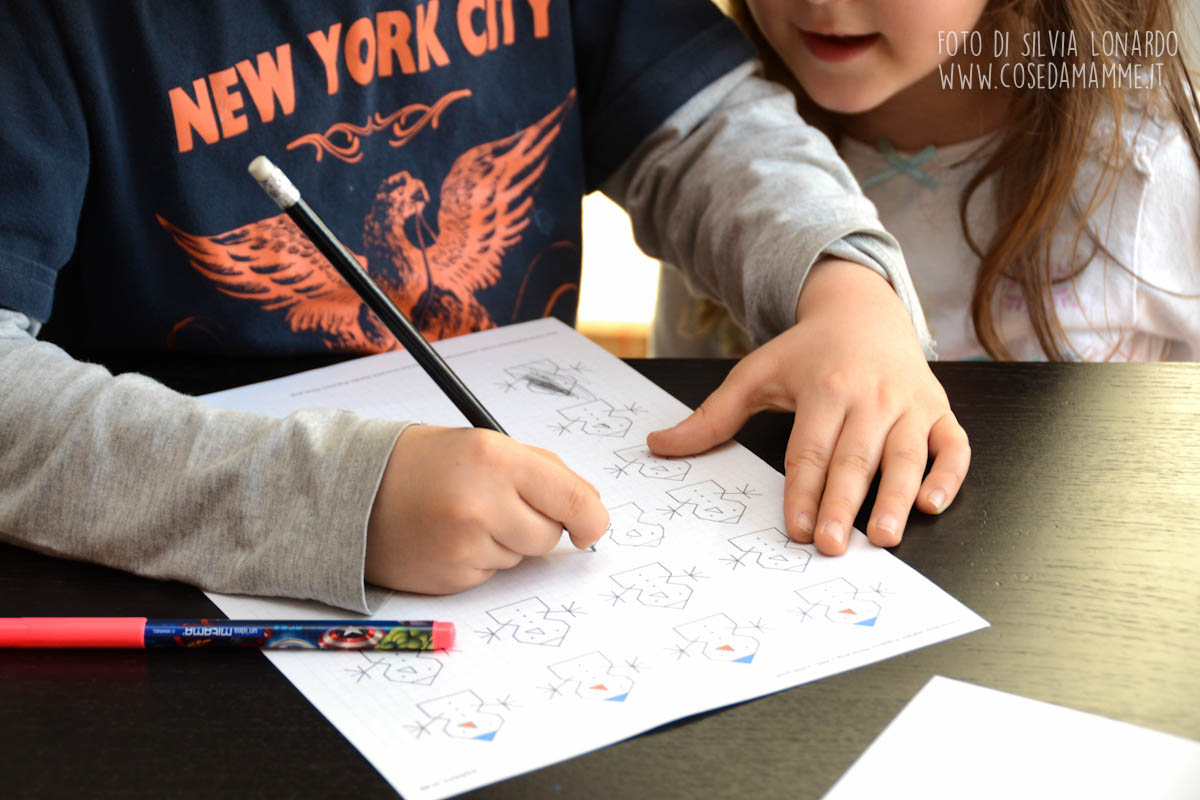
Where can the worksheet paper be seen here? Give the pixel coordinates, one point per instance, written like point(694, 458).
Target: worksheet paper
point(694, 598)
point(956, 740)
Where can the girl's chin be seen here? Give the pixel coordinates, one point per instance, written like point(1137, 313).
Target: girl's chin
point(840, 94)
point(843, 103)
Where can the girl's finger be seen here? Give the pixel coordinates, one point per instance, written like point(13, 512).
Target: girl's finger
point(951, 458)
point(806, 463)
point(855, 459)
point(719, 417)
point(904, 459)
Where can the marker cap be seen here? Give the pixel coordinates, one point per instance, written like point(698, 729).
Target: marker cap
point(73, 632)
point(443, 635)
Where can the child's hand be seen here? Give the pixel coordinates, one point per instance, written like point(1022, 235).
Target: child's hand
point(853, 371)
point(457, 504)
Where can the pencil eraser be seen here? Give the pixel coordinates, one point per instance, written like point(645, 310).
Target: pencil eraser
point(443, 635)
point(274, 182)
point(261, 168)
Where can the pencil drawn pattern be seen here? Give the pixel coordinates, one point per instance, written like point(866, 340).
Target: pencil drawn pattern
point(530, 621)
point(839, 601)
point(652, 466)
point(595, 418)
point(459, 716)
point(417, 668)
point(630, 526)
point(717, 638)
point(710, 502)
point(651, 585)
point(770, 548)
point(590, 677)
point(543, 376)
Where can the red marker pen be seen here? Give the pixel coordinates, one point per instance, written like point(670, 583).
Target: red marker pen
point(139, 632)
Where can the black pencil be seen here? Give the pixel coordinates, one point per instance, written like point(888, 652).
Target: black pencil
point(283, 192)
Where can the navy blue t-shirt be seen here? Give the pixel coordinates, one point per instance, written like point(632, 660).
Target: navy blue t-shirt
point(448, 143)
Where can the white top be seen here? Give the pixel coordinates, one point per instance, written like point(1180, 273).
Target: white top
point(1144, 306)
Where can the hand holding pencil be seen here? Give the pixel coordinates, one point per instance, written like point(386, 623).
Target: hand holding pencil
point(457, 504)
point(454, 504)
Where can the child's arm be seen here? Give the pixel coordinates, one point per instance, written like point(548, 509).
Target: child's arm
point(739, 193)
point(124, 472)
point(735, 189)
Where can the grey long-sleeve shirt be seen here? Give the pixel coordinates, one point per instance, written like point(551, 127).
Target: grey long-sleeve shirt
point(125, 472)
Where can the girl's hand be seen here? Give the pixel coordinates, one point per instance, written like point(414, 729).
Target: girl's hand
point(853, 371)
point(457, 504)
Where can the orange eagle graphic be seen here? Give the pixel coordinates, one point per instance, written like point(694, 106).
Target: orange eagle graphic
point(486, 200)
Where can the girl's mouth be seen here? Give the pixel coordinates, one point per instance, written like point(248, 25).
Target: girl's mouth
point(828, 47)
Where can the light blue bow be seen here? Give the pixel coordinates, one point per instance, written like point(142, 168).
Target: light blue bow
point(902, 165)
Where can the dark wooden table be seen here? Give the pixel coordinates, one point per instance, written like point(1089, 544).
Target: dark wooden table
point(1077, 535)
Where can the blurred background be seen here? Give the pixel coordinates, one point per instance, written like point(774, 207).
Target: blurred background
point(619, 284)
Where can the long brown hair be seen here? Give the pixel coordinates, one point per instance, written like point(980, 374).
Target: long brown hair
point(1040, 149)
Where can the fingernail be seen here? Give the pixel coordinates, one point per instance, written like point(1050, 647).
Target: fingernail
point(887, 523)
point(804, 523)
point(835, 531)
point(937, 499)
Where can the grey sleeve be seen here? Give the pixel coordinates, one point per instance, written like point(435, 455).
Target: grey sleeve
point(740, 193)
point(125, 472)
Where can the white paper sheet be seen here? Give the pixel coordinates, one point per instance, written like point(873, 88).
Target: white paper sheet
point(956, 740)
point(694, 599)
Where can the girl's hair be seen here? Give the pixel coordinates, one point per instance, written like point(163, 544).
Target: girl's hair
point(1041, 147)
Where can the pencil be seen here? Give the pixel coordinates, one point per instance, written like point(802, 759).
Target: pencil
point(283, 191)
